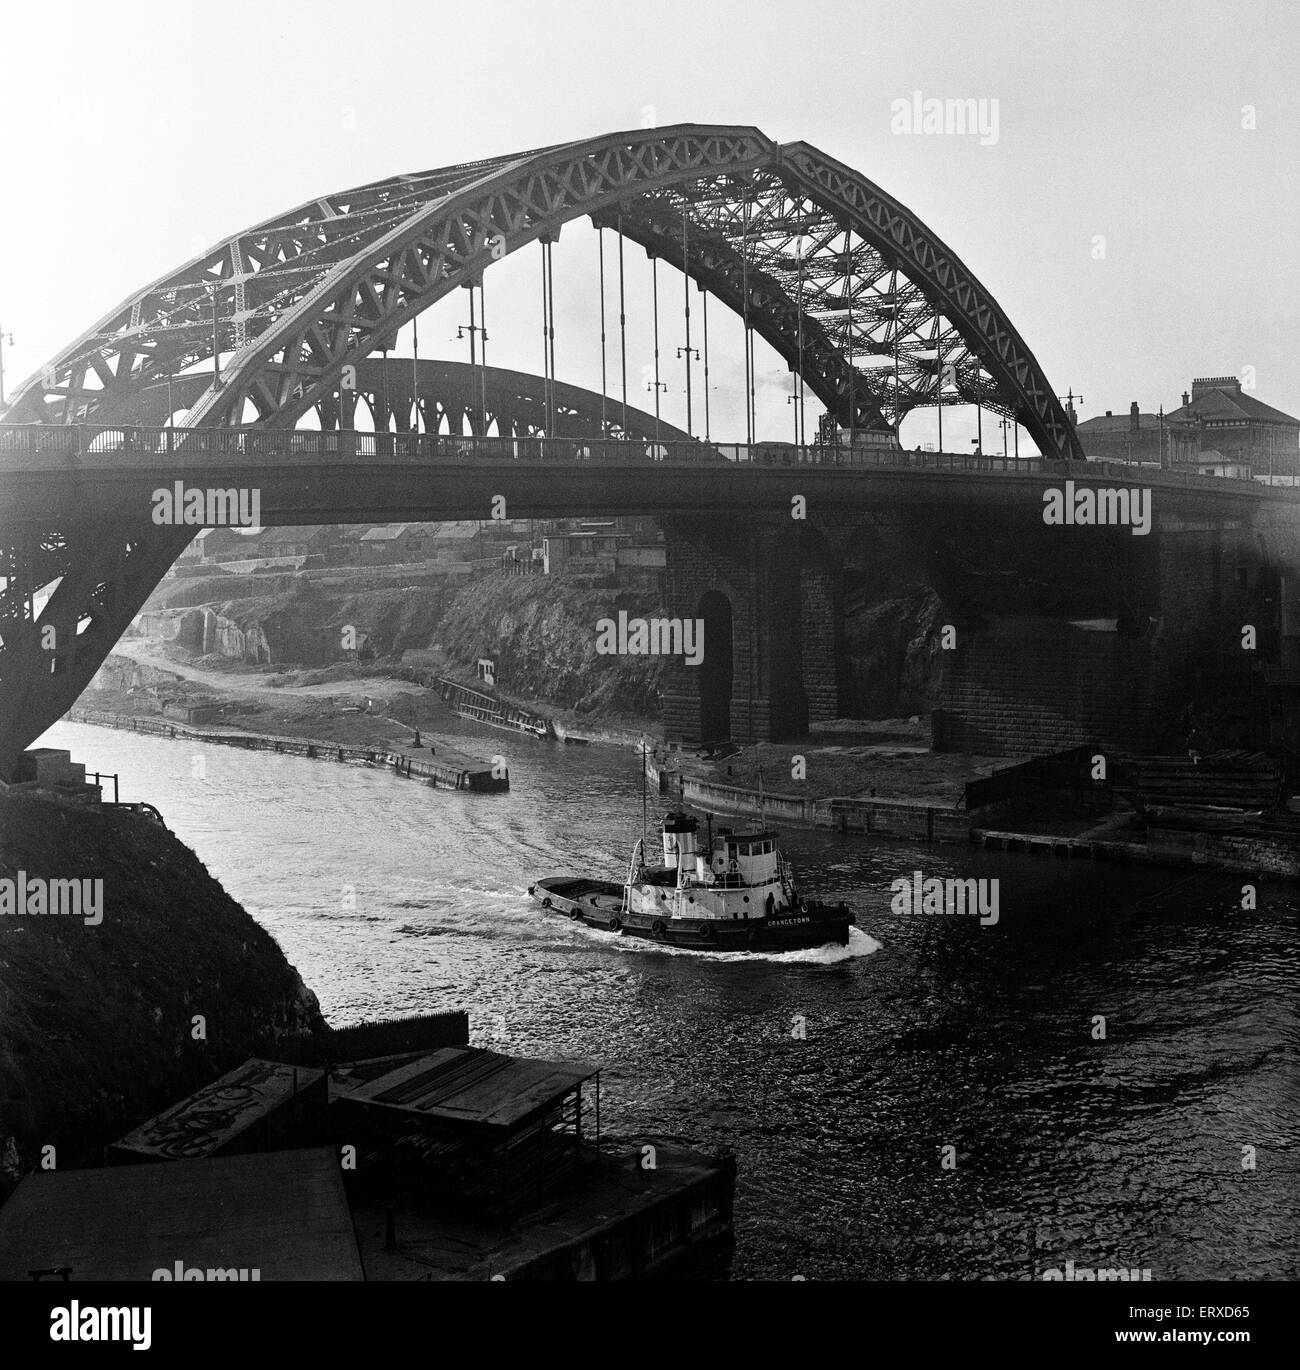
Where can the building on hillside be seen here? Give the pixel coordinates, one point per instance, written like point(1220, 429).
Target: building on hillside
point(308, 540)
point(392, 543)
point(1131, 437)
point(1220, 416)
point(1219, 430)
point(221, 544)
point(458, 541)
point(589, 553)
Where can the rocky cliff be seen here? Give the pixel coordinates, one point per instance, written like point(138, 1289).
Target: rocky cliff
point(98, 1025)
point(541, 632)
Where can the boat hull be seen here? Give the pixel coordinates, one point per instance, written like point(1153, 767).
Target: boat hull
point(599, 904)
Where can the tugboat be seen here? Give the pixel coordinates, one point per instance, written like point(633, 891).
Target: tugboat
point(738, 894)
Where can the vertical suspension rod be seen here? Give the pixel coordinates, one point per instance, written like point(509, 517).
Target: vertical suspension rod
point(604, 384)
point(550, 281)
point(622, 324)
point(546, 355)
point(848, 341)
point(482, 323)
point(744, 290)
point(415, 375)
point(704, 304)
point(654, 276)
point(480, 430)
point(686, 306)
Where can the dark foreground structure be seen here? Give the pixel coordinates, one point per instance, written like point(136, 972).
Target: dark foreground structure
point(446, 1162)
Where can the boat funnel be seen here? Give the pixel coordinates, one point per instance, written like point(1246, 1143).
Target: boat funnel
point(679, 840)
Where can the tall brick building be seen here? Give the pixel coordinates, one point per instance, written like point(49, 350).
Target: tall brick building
point(1220, 416)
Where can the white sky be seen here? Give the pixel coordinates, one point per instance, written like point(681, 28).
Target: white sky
point(139, 133)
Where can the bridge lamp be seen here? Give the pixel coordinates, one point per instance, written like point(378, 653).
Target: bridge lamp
point(688, 352)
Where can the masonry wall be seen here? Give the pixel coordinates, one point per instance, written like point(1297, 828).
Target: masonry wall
point(783, 626)
point(1027, 685)
point(1023, 683)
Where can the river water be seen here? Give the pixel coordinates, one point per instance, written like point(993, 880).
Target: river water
point(838, 1077)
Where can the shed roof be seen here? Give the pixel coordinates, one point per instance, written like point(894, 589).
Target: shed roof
point(474, 1087)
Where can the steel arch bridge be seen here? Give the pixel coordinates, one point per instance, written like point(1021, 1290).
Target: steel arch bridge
point(796, 242)
point(860, 298)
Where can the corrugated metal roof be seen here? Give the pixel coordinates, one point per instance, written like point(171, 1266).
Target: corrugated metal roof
point(475, 1087)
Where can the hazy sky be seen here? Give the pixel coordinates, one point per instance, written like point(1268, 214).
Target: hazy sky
point(140, 133)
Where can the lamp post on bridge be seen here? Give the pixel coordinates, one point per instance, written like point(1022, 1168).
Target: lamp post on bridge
point(688, 352)
point(656, 386)
point(1004, 424)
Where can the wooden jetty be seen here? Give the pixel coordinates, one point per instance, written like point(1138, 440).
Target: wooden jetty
point(456, 771)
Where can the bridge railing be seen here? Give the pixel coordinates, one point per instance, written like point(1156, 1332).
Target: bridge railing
point(60, 446)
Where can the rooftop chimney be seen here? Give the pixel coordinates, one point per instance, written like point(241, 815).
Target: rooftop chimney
point(1134, 421)
point(1202, 385)
point(1109, 415)
point(1187, 399)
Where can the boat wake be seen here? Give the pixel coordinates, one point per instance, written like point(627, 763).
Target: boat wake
point(860, 944)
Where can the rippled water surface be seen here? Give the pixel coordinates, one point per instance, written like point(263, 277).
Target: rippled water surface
point(928, 1032)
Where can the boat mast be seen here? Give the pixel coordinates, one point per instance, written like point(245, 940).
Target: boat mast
point(643, 797)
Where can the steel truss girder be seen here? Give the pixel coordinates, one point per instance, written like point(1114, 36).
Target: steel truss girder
point(307, 293)
point(516, 402)
point(104, 574)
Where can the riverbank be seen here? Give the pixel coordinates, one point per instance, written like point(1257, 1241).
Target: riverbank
point(366, 706)
point(1262, 846)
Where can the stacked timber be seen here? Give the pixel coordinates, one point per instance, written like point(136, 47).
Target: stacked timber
point(1234, 782)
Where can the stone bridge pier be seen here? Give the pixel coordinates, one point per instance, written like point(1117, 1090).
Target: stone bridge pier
point(1037, 638)
point(1129, 642)
point(766, 591)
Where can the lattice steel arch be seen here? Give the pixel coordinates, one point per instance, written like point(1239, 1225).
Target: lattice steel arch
point(453, 391)
point(307, 293)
